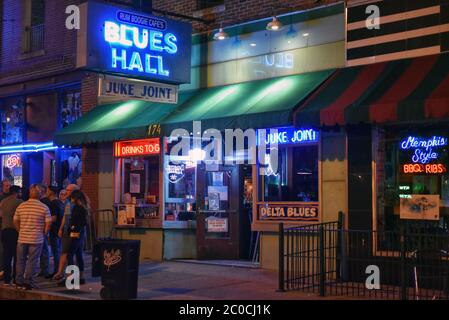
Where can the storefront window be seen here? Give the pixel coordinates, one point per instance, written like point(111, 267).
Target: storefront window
point(71, 108)
point(412, 180)
point(13, 121)
point(296, 178)
point(137, 178)
point(180, 189)
point(71, 166)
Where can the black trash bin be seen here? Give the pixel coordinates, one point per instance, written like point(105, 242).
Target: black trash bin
point(117, 262)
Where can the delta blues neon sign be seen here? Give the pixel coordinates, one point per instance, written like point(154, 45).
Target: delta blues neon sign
point(137, 45)
point(287, 136)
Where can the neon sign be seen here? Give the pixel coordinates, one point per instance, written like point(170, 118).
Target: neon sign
point(137, 147)
point(285, 136)
point(437, 168)
point(13, 161)
point(175, 172)
point(47, 146)
point(423, 148)
point(135, 44)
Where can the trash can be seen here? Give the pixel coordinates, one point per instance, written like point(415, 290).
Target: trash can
point(117, 262)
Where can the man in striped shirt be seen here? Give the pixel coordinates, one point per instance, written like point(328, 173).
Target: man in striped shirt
point(32, 220)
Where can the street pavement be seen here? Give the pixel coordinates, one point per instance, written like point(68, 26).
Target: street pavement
point(173, 280)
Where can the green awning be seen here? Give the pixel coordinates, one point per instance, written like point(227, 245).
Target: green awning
point(256, 104)
point(118, 121)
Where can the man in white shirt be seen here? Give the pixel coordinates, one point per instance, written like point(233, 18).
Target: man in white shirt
point(32, 220)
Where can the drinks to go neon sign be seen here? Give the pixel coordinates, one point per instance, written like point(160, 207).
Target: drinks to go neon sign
point(424, 150)
point(137, 148)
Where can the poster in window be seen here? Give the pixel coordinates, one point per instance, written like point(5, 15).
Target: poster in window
point(134, 183)
point(221, 190)
point(214, 201)
point(420, 207)
point(217, 178)
point(219, 225)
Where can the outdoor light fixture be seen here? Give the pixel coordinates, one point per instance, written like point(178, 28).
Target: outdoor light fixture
point(196, 155)
point(274, 25)
point(221, 35)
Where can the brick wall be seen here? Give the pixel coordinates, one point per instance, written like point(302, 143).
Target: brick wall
point(59, 43)
point(90, 155)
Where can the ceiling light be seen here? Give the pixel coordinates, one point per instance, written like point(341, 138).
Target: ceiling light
point(274, 25)
point(253, 44)
point(221, 35)
point(305, 34)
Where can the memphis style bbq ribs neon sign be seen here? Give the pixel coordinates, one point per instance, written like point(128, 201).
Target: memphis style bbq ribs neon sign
point(425, 155)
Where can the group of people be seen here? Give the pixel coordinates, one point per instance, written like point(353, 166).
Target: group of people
point(49, 220)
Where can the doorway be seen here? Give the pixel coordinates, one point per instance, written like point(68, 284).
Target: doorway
point(224, 212)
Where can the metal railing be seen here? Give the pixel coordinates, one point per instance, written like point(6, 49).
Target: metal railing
point(103, 222)
point(35, 38)
point(329, 260)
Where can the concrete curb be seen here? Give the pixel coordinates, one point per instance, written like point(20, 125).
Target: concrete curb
point(15, 294)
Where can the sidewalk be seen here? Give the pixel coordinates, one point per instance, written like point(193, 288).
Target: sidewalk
point(176, 280)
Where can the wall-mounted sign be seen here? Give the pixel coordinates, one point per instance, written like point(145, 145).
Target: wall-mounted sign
point(13, 161)
point(419, 168)
point(285, 136)
point(299, 212)
point(420, 207)
point(175, 172)
point(141, 147)
point(134, 44)
point(123, 88)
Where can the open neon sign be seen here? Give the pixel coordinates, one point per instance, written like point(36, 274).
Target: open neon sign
point(423, 149)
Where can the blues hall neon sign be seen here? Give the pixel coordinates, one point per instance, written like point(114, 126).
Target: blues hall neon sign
point(135, 44)
point(128, 38)
point(286, 136)
point(424, 150)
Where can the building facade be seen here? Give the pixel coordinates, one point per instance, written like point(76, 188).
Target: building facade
point(325, 81)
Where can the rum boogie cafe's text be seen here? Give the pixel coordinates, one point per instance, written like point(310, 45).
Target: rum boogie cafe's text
point(299, 212)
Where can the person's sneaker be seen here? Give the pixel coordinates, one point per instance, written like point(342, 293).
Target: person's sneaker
point(7, 285)
point(20, 286)
point(27, 287)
